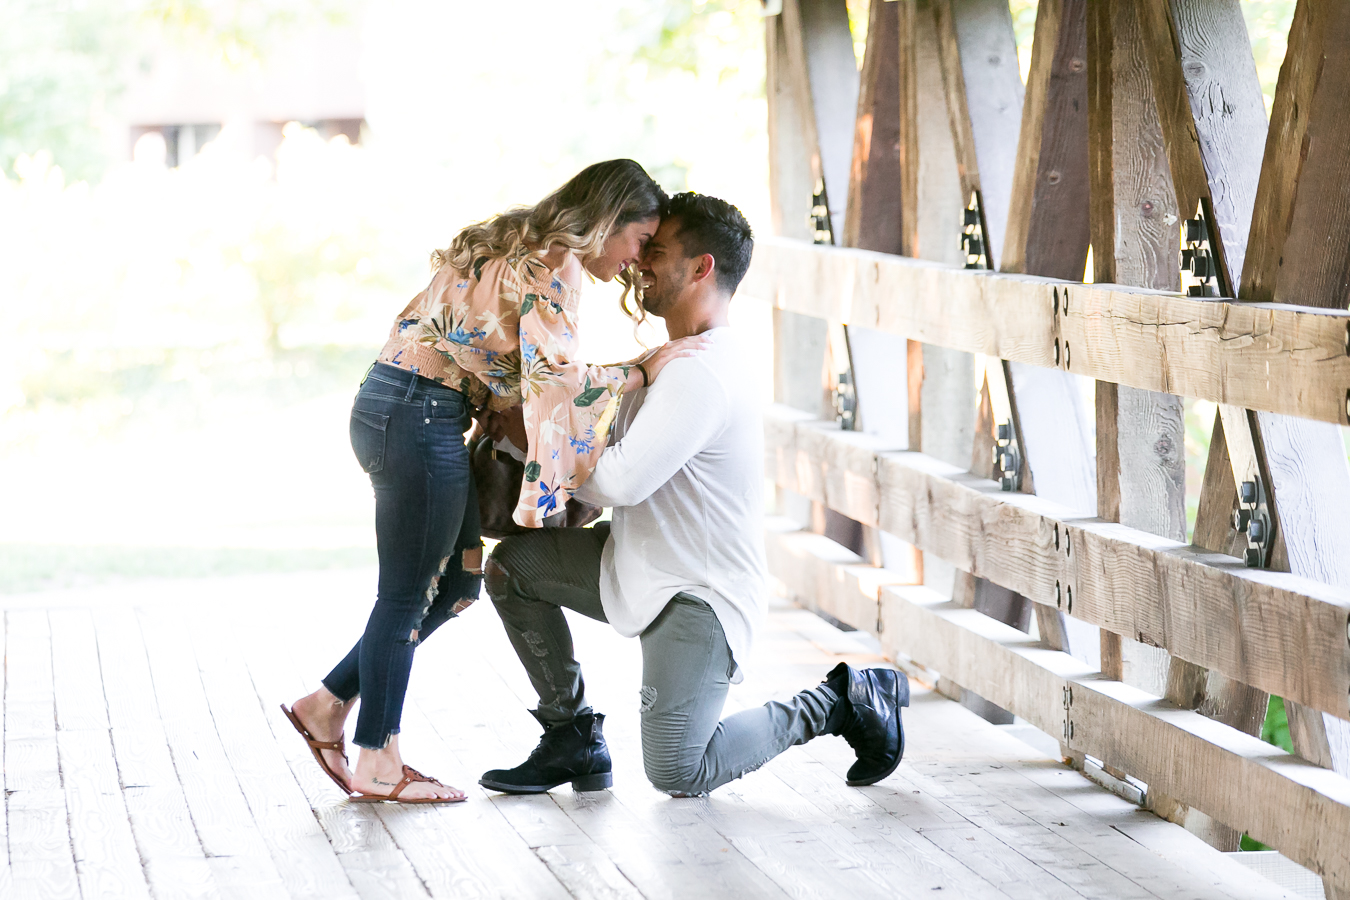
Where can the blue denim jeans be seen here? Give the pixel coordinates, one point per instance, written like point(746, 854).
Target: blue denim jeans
point(408, 435)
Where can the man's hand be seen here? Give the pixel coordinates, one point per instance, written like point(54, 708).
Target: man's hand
point(509, 425)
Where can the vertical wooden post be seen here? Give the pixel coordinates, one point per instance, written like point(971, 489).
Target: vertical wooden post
point(1140, 437)
point(941, 382)
point(999, 149)
point(1216, 161)
point(1047, 234)
point(811, 71)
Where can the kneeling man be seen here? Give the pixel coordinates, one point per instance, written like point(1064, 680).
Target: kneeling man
point(681, 565)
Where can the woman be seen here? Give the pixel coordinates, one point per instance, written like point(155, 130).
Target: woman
point(495, 329)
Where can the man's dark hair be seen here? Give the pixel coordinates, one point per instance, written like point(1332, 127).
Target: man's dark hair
point(713, 226)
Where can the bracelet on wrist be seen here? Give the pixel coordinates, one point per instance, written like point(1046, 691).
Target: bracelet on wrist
point(646, 380)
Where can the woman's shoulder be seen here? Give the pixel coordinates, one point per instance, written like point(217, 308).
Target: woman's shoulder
point(557, 273)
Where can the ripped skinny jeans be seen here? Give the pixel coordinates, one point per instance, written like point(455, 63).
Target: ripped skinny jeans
point(408, 435)
point(687, 747)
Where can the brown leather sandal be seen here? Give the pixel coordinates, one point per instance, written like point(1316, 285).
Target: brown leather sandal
point(316, 747)
point(409, 776)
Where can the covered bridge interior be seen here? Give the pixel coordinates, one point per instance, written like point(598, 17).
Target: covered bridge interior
point(992, 302)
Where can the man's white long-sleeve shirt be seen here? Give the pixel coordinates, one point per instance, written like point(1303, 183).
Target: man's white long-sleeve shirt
point(685, 476)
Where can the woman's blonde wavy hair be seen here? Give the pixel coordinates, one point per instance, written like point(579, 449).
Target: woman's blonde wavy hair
point(592, 205)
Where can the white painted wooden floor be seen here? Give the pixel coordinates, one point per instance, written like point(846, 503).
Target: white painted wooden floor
point(144, 756)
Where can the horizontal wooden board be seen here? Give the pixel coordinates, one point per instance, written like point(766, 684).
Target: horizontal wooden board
point(1264, 356)
point(1273, 630)
point(847, 590)
point(1257, 788)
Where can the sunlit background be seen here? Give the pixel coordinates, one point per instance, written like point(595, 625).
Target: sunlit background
point(210, 213)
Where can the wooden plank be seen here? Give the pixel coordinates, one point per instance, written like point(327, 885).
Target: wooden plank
point(983, 83)
point(934, 176)
point(166, 837)
point(794, 167)
point(1271, 357)
point(932, 859)
point(1279, 632)
point(790, 160)
point(1047, 232)
point(106, 859)
point(236, 849)
point(367, 852)
point(1212, 115)
point(304, 858)
point(1140, 443)
point(662, 861)
point(40, 854)
point(507, 833)
point(824, 72)
point(1300, 237)
point(1204, 763)
point(875, 199)
point(846, 592)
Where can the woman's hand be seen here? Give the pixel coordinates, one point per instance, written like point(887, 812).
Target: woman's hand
point(655, 361)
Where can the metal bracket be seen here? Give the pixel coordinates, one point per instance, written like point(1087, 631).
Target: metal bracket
point(1008, 458)
point(822, 232)
point(1200, 275)
point(845, 400)
point(972, 234)
point(1252, 518)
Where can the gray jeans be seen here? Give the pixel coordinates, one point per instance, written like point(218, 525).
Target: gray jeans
point(686, 665)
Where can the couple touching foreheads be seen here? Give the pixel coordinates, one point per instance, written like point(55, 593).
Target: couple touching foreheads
point(672, 441)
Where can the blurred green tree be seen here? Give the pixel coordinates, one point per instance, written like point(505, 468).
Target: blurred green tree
point(61, 65)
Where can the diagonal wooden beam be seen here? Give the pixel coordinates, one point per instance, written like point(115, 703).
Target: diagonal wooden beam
point(1300, 234)
point(1212, 114)
point(1047, 232)
point(980, 75)
point(874, 218)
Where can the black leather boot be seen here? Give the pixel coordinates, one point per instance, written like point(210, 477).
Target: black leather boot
point(572, 751)
point(868, 717)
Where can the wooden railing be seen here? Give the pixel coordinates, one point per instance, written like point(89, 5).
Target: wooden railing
point(1115, 139)
point(1279, 632)
point(1273, 357)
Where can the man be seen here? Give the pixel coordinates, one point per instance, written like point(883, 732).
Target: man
point(682, 564)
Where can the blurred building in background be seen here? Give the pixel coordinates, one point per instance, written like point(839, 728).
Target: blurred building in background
point(181, 97)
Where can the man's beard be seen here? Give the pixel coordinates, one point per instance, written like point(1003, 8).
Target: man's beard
point(659, 300)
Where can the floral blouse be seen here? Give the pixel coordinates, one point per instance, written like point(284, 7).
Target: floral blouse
point(507, 334)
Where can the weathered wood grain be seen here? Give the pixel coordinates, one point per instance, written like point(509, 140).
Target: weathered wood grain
point(1279, 632)
point(983, 84)
point(1239, 779)
point(1212, 115)
point(820, 61)
point(1052, 152)
point(1270, 357)
point(936, 225)
point(873, 218)
point(1300, 237)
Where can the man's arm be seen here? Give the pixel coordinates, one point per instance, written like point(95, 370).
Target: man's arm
point(683, 411)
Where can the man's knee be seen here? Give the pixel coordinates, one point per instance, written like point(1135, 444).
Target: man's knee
point(496, 578)
point(674, 779)
point(512, 558)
